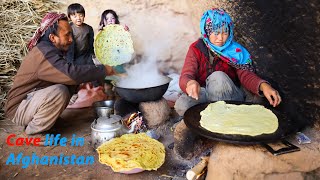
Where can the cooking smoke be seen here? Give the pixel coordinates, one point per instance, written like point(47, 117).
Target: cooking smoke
point(144, 74)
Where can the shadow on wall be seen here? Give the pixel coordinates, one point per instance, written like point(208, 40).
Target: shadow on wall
point(285, 43)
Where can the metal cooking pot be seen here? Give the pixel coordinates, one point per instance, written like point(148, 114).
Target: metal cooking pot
point(137, 95)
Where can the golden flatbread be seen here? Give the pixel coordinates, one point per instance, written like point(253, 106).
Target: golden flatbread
point(132, 151)
point(113, 45)
point(251, 120)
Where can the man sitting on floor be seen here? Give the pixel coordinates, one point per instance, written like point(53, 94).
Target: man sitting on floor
point(45, 80)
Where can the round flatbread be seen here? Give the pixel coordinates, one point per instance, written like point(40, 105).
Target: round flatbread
point(251, 120)
point(132, 151)
point(113, 45)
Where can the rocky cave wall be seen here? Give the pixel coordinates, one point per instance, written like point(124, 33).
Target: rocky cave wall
point(160, 28)
point(282, 36)
point(284, 39)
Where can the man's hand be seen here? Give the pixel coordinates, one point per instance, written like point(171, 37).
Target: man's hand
point(193, 89)
point(271, 94)
point(110, 70)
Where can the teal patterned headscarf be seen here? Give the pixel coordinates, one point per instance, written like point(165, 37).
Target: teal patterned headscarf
point(217, 20)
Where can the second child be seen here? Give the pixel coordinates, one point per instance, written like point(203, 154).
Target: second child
point(81, 52)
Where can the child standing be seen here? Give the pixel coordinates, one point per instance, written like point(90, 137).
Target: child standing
point(108, 17)
point(81, 52)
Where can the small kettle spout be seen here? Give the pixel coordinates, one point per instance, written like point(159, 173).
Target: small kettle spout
point(132, 127)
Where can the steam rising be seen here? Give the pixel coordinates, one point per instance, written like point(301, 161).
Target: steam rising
point(146, 73)
point(143, 75)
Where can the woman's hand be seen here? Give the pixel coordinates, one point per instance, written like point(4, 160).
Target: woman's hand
point(271, 94)
point(193, 89)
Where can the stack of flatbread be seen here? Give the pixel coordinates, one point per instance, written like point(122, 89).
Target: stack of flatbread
point(113, 45)
point(132, 151)
point(251, 120)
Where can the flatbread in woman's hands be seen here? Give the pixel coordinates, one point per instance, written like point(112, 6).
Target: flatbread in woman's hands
point(251, 120)
point(113, 45)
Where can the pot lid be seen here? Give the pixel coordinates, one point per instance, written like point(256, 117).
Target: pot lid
point(108, 123)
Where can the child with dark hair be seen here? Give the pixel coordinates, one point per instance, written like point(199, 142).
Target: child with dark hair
point(81, 52)
point(108, 17)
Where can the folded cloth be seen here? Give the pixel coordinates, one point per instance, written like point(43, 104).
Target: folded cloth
point(173, 92)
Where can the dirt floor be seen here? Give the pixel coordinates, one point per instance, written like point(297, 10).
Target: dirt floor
point(281, 53)
point(78, 121)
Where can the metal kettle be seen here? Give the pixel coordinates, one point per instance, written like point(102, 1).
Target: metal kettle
point(107, 127)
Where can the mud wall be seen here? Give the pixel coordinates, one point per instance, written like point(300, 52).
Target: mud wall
point(160, 27)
